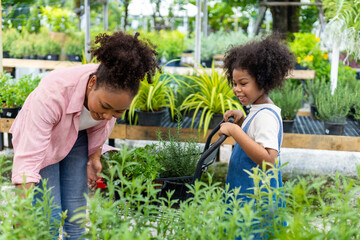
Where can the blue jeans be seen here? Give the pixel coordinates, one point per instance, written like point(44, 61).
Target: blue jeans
point(68, 180)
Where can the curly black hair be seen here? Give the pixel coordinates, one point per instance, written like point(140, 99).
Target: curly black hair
point(268, 60)
point(124, 61)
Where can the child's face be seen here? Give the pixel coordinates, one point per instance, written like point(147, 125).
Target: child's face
point(246, 89)
point(106, 104)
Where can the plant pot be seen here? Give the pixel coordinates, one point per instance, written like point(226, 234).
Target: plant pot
point(73, 58)
point(6, 54)
point(151, 118)
point(9, 112)
point(41, 57)
point(334, 128)
point(288, 125)
point(216, 119)
point(351, 114)
point(52, 57)
point(299, 67)
point(173, 63)
point(206, 63)
point(314, 112)
point(178, 116)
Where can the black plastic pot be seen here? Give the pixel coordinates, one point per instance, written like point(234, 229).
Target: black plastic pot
point(206, 63)
point(6, 54)
point(41, 57)
point(53, 57)
point(217, 117)
point(9, 112)
point(314, 112)
point(288, 125)
point(334, 128)
point(73, 58)
point(151, 118)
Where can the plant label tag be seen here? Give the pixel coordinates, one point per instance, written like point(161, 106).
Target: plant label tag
point(8, 114)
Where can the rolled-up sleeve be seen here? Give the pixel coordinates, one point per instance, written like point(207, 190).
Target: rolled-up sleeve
point(31, 135)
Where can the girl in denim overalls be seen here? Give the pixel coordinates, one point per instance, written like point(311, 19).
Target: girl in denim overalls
point(254, 69)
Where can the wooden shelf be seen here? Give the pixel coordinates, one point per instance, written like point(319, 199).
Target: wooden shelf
point(46, 64)
point(291, 140)
point(42, 64)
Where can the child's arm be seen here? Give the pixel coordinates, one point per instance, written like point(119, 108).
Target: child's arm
point(255, 151)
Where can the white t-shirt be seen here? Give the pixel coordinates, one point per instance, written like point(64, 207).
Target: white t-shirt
point(264, 128)
point(86, 121)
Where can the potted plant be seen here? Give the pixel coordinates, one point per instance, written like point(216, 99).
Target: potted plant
point(152, 99)
point(52, 49)
point(14, 93)
point(214, 97)
point(313, 88)
point(8, 38)
point(73, 50)
point(289, 99)
point(333, 109)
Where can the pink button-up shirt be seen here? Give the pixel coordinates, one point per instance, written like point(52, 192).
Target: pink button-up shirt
point(46, 128)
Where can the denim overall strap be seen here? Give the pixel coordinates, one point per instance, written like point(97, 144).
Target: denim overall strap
point(277, 116)
point(240, 161)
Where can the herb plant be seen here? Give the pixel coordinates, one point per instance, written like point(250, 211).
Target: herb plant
point(177, 157)
point(289, 99)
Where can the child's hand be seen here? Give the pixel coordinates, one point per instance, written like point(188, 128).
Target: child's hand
point(226, 128)
point(236, 114)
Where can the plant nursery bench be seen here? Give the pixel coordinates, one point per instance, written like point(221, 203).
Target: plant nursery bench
point(290, 140)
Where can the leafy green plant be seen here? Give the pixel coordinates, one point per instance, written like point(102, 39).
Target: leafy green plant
point(178, 157)
point(5, 168)
point(13, 93)
point(21, 48)
point(333, 108)
point(289, 99)
point(15, 212)
point(137, 162)
point(153, 96)
point(214, 96)
point(8, 38)
point(74, 47)
point(314, 87)
point(51, 46)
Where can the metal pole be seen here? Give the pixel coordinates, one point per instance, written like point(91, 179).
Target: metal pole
point(106, 15)
point(1, 49)
point(87, 30)
point(205, 19)
point(198, 34)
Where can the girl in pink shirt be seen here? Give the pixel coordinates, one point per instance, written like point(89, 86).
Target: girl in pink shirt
point(59, 132)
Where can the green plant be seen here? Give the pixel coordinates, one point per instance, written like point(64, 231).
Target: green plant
point(133, 163)
point(154, 96)
point(74, 47)
point(289, 99)
point(178, 157)
point(169, 44)
point(52, 46)
point(21, 48)
point(314, 87)
point(214, 96)
point(5, 168)
point(13, 93)
point(333, 107)
point(8, 38)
